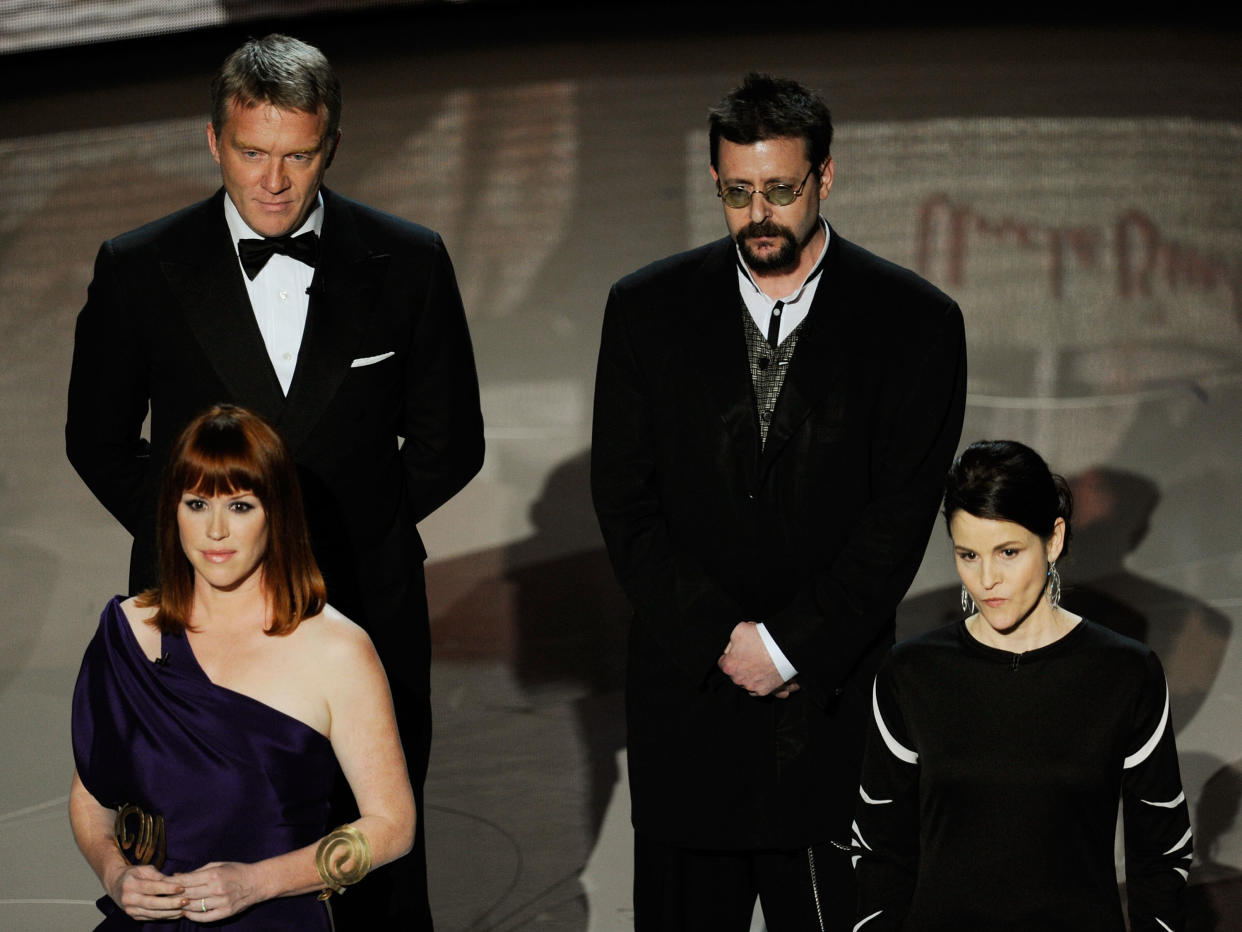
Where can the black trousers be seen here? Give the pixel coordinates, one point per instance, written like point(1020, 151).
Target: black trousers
point(688, 890)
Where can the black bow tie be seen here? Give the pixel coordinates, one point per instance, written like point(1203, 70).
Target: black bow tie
point(254, 253)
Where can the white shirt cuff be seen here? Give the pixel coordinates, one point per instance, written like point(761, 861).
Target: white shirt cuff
point(783, 666)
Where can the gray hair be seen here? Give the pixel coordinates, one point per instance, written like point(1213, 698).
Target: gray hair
point(281, 71)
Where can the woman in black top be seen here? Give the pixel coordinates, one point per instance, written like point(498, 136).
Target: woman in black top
point(1001, 744)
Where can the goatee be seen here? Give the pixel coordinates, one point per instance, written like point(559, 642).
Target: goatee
point(782, 258)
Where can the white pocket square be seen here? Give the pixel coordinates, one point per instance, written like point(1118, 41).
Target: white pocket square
point(370, 360)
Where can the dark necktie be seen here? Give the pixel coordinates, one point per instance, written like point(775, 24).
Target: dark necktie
point(254, 253)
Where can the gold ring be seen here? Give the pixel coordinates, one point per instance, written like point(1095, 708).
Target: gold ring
point(202, 904)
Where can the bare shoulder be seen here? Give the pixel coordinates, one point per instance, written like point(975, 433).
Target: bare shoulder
point(146, 634)
point(340, 658)
point(331, 638)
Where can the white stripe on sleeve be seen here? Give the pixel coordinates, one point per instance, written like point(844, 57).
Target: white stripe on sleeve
point(900, 751)
point(863, 922)
point(1150, 745)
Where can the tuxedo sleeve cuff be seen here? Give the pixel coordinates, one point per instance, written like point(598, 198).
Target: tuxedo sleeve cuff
point(783, 666)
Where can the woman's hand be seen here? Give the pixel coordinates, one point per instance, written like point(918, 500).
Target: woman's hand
point(144, 893)
point(218, 890)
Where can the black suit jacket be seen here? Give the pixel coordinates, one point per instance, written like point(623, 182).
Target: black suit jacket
point(818, 535)
point(168, 323)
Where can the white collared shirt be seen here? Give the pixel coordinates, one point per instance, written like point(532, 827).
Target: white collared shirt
point(792, 309)
point(278, 293)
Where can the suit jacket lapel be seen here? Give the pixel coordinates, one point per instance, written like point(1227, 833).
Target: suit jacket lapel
point(342, 298)
point(717, 349)
point(816, 379)
point(203, 274)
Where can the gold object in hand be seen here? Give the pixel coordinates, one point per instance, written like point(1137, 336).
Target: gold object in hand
point(140, 835)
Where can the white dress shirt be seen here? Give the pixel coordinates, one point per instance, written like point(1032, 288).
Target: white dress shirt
point(792, 310)
point(278, 293)
point(793, 307)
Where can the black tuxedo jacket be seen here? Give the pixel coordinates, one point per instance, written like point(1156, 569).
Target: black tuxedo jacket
point(385, 356)
point(818, 535)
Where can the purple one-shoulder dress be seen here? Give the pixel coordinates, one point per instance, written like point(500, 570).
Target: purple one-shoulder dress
point(233, 779)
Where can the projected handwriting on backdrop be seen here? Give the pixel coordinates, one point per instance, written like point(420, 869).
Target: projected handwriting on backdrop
point(1141, 256)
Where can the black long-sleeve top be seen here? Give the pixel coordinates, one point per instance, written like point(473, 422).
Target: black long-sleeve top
point(991, 782)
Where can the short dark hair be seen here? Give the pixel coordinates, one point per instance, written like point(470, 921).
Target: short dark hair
point(281, 71)
point(764, 107)
point(224, 450)
point(1003, 480)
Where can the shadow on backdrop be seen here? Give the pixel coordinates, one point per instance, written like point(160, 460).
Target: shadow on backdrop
point(1214, 899)
point(558, 622)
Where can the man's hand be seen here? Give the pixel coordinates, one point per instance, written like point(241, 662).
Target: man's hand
point(745, 661)
point(790, 687)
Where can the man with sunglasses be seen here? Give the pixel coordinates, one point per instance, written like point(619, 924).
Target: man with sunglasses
point(774, 416)
point(343, 327)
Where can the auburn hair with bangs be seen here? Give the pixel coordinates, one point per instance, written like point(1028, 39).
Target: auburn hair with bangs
point(227, 450)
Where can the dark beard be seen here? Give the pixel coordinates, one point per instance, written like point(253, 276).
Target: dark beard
point(783, 258)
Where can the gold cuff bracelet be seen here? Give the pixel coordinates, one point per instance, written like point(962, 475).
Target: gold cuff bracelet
point(342, 859)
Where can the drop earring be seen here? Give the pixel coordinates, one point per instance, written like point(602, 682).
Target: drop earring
point(1054, 586)
point(968, 604)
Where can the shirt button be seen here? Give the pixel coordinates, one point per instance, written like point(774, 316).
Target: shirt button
point(287, 356)
point(776, 312)
point(767, 416)
point(284, 295)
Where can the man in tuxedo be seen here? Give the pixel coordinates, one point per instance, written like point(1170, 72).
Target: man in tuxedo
point(774, 416)
point(342, 326)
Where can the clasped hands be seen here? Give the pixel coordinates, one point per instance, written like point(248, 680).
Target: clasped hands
point(747, 663)
point(211, 893)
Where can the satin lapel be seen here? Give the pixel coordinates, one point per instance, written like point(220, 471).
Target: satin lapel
point(816, 380)
point(717, 349)
point(204, 276)
point(342, 298)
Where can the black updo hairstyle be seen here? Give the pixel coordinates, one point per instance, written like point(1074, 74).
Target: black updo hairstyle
point(1003, 480)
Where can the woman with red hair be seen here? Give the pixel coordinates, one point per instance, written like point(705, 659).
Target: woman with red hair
point(211, 711)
